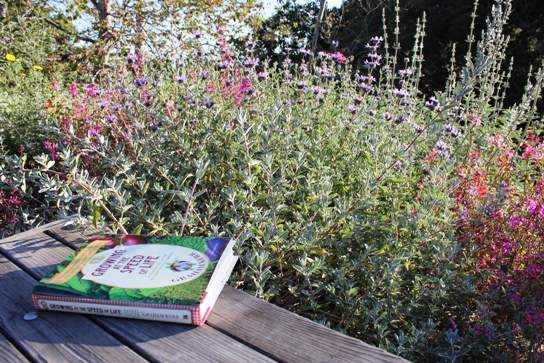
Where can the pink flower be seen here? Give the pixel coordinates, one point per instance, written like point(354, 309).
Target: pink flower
point(515, 221)
point(339, 57)
point(532, 206)
point(73, 90)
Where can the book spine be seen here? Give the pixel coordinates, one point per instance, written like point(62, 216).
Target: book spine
point(122, 311)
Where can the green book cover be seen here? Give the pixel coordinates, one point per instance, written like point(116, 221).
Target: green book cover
point(137, 270)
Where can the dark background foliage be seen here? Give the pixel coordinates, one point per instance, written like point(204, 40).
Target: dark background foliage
point(447, 23)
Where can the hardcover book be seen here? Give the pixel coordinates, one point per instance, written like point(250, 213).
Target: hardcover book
point(174, 279)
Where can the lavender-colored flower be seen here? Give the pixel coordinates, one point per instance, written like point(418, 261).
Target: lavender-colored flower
point(405, 72)
point(433, 104)
point(208, 104)
point(387, 116)
point(261, 76)
point(372, 64)
point(401, 93)
point(352, 109)
point(305, 51)
point(141, 81)
point(181, 79)
point(197, 34)
point(406, 102)
point(129, 105)
point(461, 117)
point(95, 130)
point(301, 85)
point(367, 79)
point(104, 104)
point(250, 44)
point(111, 119)
point(357, 100)
point(187, 97)
point(416, 127)
point(401, 119)
point(366, 87)
point(117, 107)
point(452, 130)
point(335, 43)
point(444, 150)
point(131, 59)
point(224, 64)
point(441, 145)
point(204, 74)
point(251, 62)
point(372, 112)
point(286, 102)
point(322, 55)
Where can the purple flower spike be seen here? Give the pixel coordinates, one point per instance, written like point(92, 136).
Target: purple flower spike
point(181, 79)
point(103, 104)
point(139, 82)
point(111, 119)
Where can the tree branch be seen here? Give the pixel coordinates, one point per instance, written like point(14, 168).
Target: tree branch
point(59, 27)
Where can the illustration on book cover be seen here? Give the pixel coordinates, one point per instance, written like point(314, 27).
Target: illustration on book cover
point(138, 269)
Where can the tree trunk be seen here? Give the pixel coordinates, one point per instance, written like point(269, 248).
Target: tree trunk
point(317, 29)
point(140, 27)
point(105, 26)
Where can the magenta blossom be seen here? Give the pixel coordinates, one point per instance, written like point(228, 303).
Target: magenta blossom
point(339, 57)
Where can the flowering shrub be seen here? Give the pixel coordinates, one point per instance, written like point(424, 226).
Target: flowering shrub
point(501, 214)
point(396, 219)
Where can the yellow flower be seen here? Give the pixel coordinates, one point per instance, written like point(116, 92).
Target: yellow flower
point(10, 57)
point(38, 68)
point(22, 74)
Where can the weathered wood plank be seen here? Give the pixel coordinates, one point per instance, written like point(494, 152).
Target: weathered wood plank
point(160, 342)
point(10, 353)
point(278, 332)
point(287, 336)
point(40, 229)
point(52, 337)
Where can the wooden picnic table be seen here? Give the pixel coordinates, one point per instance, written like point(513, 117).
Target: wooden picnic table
point(241, 328)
